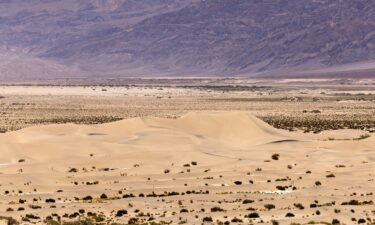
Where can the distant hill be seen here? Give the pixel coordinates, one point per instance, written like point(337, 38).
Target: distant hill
point(102, 38)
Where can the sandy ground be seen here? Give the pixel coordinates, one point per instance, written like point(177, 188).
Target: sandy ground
point(204, 166)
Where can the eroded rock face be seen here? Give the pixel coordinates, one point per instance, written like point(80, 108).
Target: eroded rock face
point(190, 36)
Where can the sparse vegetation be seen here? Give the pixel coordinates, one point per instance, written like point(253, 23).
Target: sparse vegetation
point(362, 137)
point(275, 156)
point(269, 206)
point(253, 215)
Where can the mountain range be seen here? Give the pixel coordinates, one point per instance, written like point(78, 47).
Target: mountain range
point(47, 39)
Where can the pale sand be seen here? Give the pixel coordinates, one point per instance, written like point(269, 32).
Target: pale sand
point(227, 146)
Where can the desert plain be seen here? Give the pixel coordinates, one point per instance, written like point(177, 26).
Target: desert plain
point(187, 151)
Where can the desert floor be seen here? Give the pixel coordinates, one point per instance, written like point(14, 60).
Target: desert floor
point(190, 152)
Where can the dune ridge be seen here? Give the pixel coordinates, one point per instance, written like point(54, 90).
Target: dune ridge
point(240, 129)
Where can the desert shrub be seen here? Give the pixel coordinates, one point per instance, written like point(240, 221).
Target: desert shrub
point(253, 215)
point(281, 188)
point(361, 221)
point(72, 170)
point(32, 216)
point(247, 201)
point(87, 198)
point(236, 220)
point(217, 209)
point(275, 156)
point(35, 206)
point(50, 200)
point(121, 213)
point(289, 215)
point(356, 202)
point(207, 219)
point(299, 206)
point(269, 206)
point(131, 195)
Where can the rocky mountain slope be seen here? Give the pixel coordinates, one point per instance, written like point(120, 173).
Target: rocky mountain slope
point(187, 37)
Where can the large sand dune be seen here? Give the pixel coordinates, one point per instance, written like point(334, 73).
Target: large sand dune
point(194, 131)
point(205, 151)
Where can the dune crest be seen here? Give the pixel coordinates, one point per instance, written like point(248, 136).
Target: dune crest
point(201, 129)
point(235, 127)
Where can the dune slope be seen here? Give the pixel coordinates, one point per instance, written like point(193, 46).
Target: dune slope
point(207, 159)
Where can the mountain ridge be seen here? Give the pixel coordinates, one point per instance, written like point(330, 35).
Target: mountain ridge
point(192, 37)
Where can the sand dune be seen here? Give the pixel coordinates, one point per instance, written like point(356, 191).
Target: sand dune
point(234, 129)
point(201, 151)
